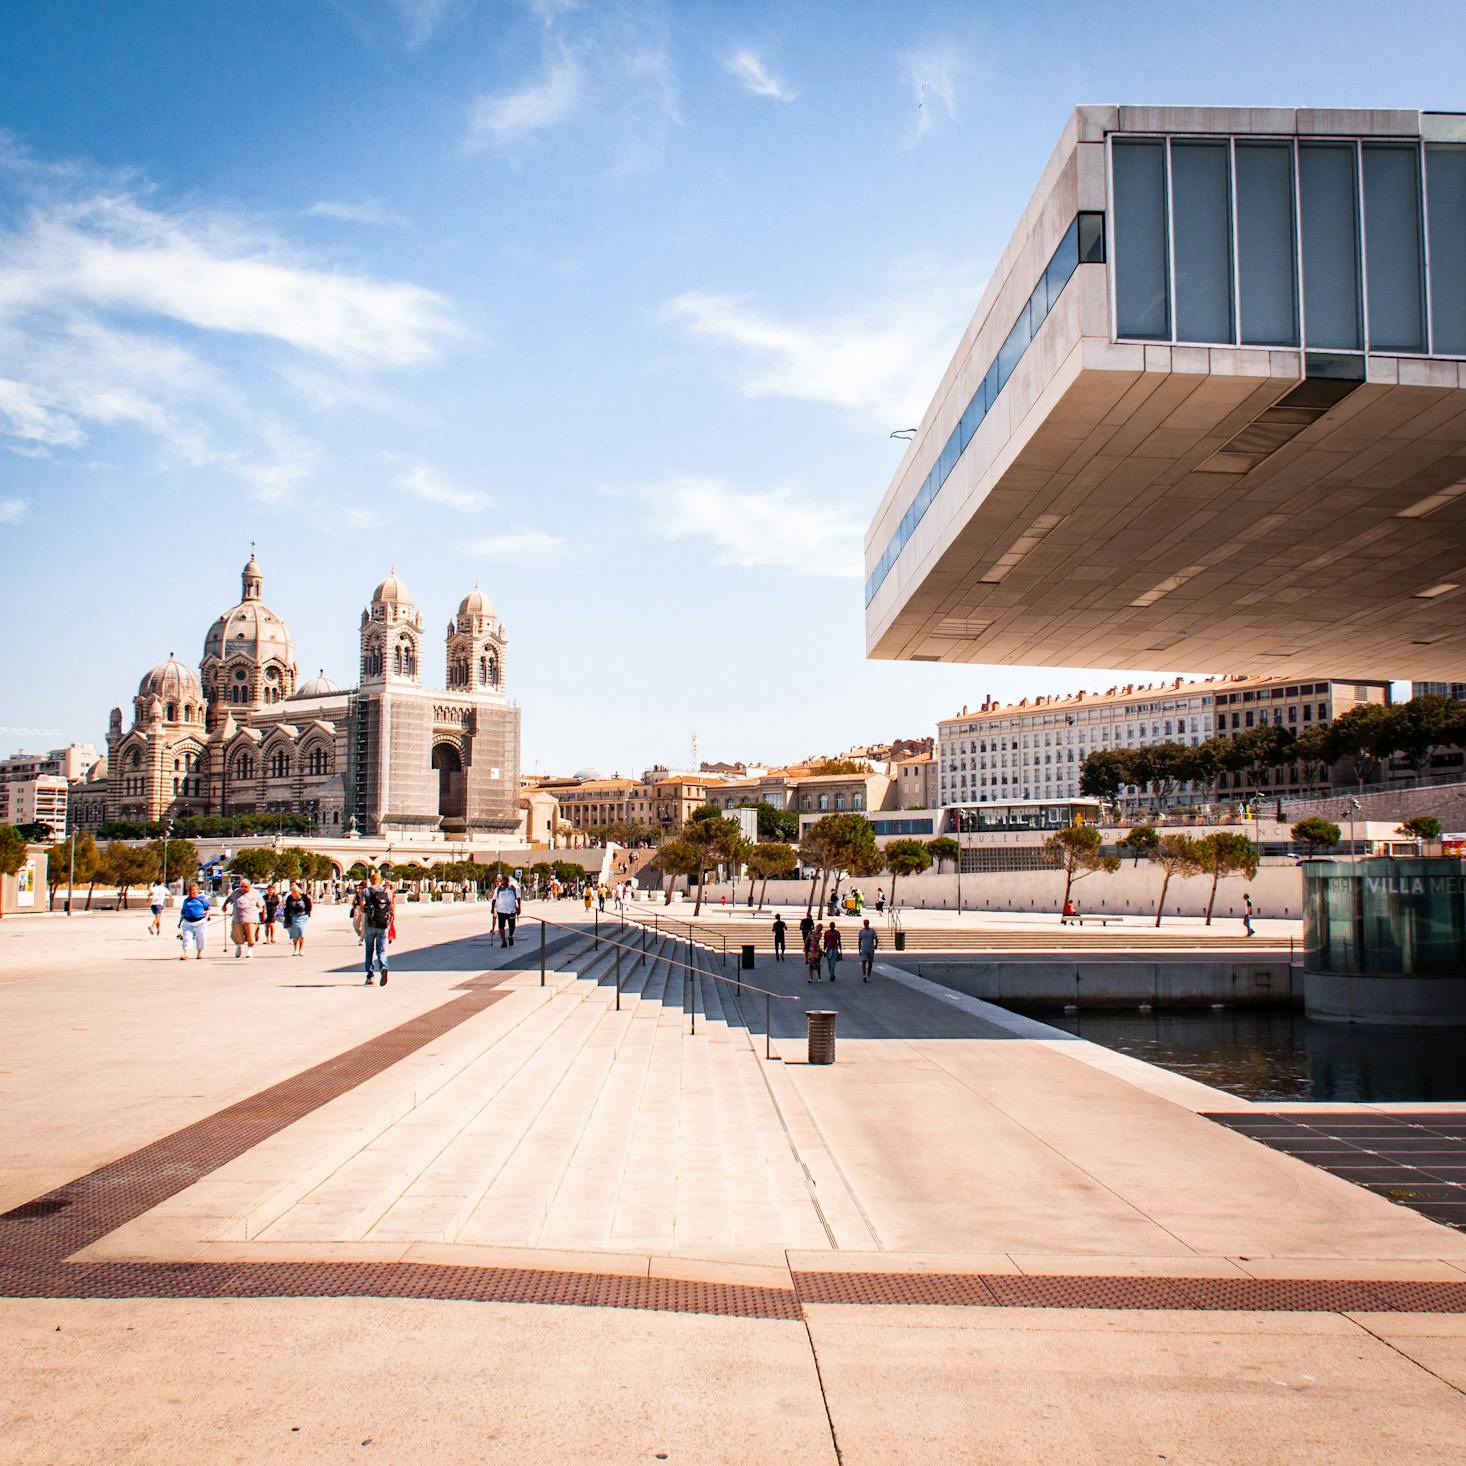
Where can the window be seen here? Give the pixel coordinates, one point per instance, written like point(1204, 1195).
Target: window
point(1392, 233)
point(1265, 259)
point(1446, 184)
point(1330, 225)
point(280, 764)
point(1203, 227)
point(1141, 265)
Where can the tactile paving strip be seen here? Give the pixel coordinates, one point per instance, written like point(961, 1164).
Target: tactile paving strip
point(1413, 1158)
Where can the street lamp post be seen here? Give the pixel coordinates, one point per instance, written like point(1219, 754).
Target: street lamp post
point(1354, 808)
point(71, 872)
point(167, 837)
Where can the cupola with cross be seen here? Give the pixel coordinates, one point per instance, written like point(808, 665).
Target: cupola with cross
point(391, 635)
point(476, 642)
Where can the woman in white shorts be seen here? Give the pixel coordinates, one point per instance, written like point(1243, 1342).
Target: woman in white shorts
point(193, 922)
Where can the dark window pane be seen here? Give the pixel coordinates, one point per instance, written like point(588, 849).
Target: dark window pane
point(1392, 248)
point(1446, 189)
point(1326, 179)
point(1202, 209)
point(1091, 239)
point(1141, 266)
point(1265, 244)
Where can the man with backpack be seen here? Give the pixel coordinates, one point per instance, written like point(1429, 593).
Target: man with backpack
point(376, 903)
point(506, 910)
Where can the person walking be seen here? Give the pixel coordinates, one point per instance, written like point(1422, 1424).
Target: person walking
point(880, 899)
point(194, 917)
point(1247, 912)
point(780, 932)
point(157, 900)
point(806, 925)
point(506, 910)
point(296, 910)
point(590, 897)
point(812, 952)
point(272, 910)
point(833, 950)
point(377, 905)
point(245, 922)
point(867, 941)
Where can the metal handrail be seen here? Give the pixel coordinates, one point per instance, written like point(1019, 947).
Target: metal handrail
point(658, 921)
point(687, 967)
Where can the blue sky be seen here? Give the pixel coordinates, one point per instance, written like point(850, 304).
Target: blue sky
point(611, 306)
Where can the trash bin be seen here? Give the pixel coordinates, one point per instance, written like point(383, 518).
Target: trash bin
point(747, 962)
point(821, 1036)
point(900, 941)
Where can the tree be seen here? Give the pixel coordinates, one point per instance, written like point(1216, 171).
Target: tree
point(37, 832)
point(1141, 841)
point(1365, 735)
point(1423, 725)
point(841, 843)
point(1177, 856)
point(773, 823)
point(1225, 854)
point(943, 849)
point(182, 862)
point(1077, 852)
point(73, 863)
point(1317, 834)
point(123, 866)
point(12, 850)
point(839, 766)
point(773, 860)
point(255, 864)
point(1162, 767)
point(358, 871)
point(676, 857)
point(742, 853)
point(906, 858)
point(1256, 751)
point(1105, 772)
point(1422, 827)
point(1310, 751)
point(716, 840)
point(289, 864)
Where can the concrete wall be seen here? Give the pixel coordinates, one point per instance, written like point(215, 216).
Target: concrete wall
point(1180, 981)
point(1277, 890)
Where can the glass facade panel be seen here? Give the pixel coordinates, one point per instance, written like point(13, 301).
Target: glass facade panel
point(1327, 181)
point(1142, 307)
point(1445, 168)
point(1266, 263)
point(1392, 247)
point(1202, 206)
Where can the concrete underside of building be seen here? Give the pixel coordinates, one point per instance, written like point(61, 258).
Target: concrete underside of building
point(1076, 498)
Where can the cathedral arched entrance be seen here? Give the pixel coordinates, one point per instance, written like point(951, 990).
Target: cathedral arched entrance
point(452, 790)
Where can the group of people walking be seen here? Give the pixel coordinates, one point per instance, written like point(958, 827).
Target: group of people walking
point(823, 945)
point(253, 917)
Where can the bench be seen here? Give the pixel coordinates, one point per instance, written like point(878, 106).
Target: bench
point(1080, 920)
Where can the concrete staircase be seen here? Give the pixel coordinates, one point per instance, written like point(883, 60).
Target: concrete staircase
point(575, 1125)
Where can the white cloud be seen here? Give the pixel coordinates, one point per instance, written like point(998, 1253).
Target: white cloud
point(746, 67)
point(427, 484)
point(24, 416)
point(360, 211)
point(756, 528)
point(113, 253)
point(500, 118)
point(11, 510)
point(526, 543)
point(932, 76)
point(883, 359)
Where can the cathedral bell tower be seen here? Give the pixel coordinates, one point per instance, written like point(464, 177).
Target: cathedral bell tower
point(391, 635)
point(476, 642)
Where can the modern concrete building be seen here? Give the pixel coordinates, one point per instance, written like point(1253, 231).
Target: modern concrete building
point(38, 800)
point(1211, 410)
point(1035, 749)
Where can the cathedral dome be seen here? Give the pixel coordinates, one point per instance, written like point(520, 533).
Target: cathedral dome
point(475, 603)
point(172, 682)
point(251, 627)
point(320, 686)
point(392, 590)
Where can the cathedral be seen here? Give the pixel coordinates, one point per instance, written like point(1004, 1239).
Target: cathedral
point(387, 757)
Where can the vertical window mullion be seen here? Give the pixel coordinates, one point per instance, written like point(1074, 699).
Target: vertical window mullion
point(1171, 312)
point(1363, 247)
point(1236, 250)
point(1298, 250)
point(1425, 246)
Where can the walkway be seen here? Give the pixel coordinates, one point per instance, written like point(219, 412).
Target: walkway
point(995, 1217)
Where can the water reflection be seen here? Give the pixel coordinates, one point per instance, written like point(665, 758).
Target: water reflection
point(1267, 1054)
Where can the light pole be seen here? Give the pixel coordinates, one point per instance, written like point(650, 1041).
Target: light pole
point(167, 836)
point(71, 871)
point(1354, 808)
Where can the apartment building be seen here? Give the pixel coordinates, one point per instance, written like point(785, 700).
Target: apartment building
point(1035, 749)
point(38, 800)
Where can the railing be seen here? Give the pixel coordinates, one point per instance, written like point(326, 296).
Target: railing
point(690, 970)
point(714, 940)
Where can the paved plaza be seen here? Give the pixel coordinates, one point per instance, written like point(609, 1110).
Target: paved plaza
point(253, 1210)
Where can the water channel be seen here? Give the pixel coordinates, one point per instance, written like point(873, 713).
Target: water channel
point(1273, 1054)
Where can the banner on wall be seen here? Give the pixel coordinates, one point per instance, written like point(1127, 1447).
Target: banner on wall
point(25, 884)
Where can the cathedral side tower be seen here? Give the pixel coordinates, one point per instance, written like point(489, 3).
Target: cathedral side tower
point(476, 641)
point(391, 635)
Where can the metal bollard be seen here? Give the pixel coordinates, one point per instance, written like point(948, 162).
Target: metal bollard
point(618, 977)
point(821, 1035)
point(542, 953)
